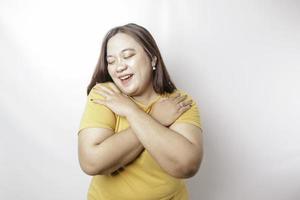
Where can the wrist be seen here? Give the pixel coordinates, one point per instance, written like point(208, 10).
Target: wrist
point(157, 119)
point(132, 112)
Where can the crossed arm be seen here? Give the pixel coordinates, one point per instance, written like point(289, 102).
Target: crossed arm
point(98, 153)
point(177, 149)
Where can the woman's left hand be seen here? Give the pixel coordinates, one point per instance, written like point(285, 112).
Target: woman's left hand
point(115, 100)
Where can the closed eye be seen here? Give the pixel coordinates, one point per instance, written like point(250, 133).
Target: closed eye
point(128, 56)
point(110, 61)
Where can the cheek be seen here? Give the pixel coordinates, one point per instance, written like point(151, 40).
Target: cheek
point(145, 74)
point(143, 67)
point(140, 61)
point(110, 71)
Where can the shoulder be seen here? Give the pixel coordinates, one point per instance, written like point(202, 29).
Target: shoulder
point(94, 94)
point(195, 108)
point(181, 92)
point(106, 84)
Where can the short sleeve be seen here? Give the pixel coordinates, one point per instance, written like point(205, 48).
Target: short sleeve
point(192, 115)
point(96, 115)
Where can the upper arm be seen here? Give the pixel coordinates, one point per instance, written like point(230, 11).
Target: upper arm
point(97, 124)
point(88, 139)
point(93, 136)
point(192, 160)
point(189, 126)
point(191, 132)
point(96, 115)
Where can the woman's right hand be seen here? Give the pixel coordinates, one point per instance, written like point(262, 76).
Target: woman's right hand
point(167, 110)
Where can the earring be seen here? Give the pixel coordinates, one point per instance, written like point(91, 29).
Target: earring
point(153, 65)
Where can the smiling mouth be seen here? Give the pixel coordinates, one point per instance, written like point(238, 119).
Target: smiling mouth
point(126, 79)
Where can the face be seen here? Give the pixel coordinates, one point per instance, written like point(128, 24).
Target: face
point(128, 65)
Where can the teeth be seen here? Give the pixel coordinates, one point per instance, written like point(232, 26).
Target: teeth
point(125, 77)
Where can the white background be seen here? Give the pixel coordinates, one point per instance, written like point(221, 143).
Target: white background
point(240, 60)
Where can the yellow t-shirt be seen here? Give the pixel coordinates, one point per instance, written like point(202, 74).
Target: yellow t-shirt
point(143, 178)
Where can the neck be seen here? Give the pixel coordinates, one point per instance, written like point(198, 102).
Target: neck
point(147, 96)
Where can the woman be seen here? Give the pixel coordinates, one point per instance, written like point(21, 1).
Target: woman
point(139, 136)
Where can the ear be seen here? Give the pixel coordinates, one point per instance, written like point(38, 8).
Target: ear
point(153, 62)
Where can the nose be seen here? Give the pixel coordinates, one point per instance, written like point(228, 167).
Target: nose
point(121, 67)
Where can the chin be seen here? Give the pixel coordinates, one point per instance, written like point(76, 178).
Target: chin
point(127, 90)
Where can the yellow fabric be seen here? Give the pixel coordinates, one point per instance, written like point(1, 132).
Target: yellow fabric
point(143, 178)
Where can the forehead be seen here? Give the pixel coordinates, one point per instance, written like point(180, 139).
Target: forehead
point(121, 41)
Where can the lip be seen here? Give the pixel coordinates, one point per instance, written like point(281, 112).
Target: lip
point(125, 82)
point(119, 77)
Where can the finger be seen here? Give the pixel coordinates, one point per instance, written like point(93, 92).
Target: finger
point(185, 103)
point(107, 90)
point(99, 101)
point(184, 108)
point(101, 92)
point(114, 87)
point(180, 99)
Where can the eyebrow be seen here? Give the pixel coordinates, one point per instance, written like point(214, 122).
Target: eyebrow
point(127, 49)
